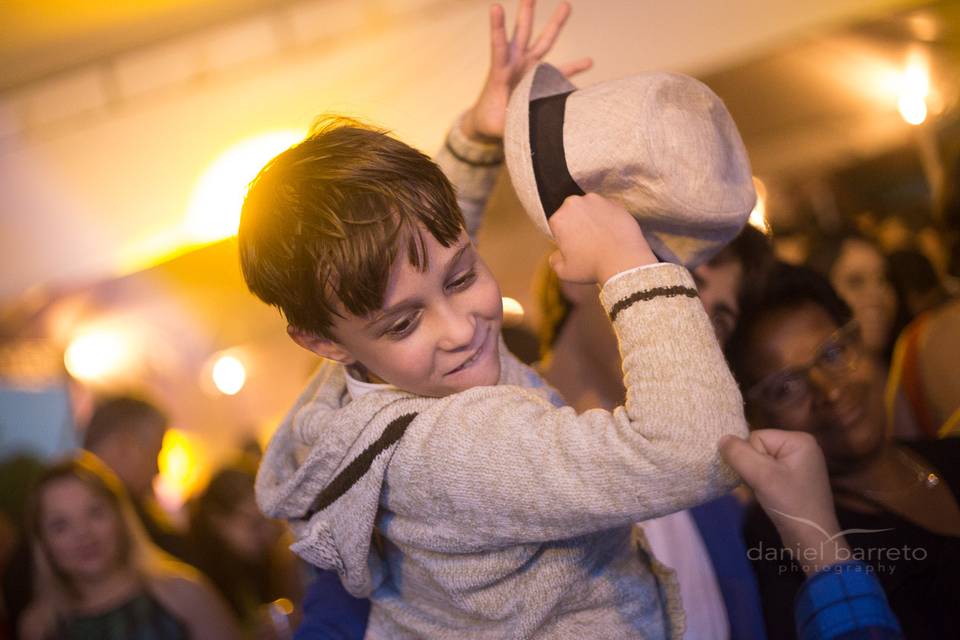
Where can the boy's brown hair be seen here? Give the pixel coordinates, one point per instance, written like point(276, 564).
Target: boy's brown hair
point(323, 222)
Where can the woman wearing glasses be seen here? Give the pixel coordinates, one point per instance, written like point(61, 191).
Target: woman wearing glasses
point(802, 366)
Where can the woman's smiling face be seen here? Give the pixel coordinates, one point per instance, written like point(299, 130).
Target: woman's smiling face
point(80, 530)
point(843, 408)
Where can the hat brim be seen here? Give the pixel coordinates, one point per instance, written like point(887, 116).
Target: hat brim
point(541, 81)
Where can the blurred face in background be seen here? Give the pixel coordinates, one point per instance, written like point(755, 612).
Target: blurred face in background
point(718, 285)
point(80, 530)
point(860, 277)
point(133, 455)
point(246, 531)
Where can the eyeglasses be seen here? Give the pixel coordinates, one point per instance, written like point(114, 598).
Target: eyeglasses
point(788, 388)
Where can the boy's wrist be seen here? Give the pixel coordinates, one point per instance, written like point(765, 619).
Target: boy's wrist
point(468, 127)
point(472, 150)
point(650, 277)
point(616, 265)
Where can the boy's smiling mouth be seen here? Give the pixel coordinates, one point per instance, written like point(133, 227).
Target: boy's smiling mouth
point(475, 356)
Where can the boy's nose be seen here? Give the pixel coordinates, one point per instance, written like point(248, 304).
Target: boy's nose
point(458, 330)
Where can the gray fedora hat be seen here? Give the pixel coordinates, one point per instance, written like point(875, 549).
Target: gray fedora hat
point(663, 145)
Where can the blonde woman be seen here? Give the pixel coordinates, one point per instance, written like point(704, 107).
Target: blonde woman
point(97, 574)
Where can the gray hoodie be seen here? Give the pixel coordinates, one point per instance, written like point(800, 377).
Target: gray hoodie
point(492, 513)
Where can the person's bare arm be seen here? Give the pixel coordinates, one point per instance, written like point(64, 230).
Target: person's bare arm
point(787, 473)
point(194, 601)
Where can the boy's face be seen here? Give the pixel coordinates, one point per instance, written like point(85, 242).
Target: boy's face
point(438, 330)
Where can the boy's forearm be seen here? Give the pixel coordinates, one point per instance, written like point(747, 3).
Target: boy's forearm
point(679, 388)
point(472, 167)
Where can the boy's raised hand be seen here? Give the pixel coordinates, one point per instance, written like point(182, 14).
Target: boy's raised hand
point(596, 239)
point(509, 61)
point(787, 472)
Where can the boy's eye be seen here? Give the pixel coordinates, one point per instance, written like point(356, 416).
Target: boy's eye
point(403, 327)
point(464, 280)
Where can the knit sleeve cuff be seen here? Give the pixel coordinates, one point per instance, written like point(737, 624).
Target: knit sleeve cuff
point(472, 152)
point(841, 599)
point(642, 285)
point(472, 168)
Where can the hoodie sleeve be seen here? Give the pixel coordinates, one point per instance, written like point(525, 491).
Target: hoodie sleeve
point(472, 167)
point(500, 465)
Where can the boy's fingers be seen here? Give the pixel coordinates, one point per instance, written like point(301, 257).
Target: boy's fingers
point(550, 31)
point(577, 66)
point(521, 32)
point(498, 37)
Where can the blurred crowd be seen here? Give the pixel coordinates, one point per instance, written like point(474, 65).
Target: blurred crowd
point(86, 550)
point(89, 552)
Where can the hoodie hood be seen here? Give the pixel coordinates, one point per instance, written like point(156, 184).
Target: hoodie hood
point(324, 468)
point(310, 476)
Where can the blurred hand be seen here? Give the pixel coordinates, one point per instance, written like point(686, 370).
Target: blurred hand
point(509, 61)
point(788, 475)
point(596, 239)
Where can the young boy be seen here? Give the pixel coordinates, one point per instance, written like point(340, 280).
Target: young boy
point(424, 463)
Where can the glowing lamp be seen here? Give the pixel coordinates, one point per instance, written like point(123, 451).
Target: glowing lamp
point(214, 211)
point(96, 355)
point(758, 216)
point(229, 375)
point(512, 312)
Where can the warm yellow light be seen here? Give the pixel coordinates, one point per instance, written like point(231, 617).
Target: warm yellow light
point(914, 89)
point(758, 216)
point(512, 311)
point(214, 211)
point(229, 375)
point(96, 355)
point(179, 468)
point(913, 109)
point(916, 80)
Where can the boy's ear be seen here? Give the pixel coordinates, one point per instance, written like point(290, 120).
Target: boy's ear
point(323, 347)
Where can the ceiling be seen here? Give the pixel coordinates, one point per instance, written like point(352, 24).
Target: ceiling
point(44, 37)
point(111, 114)
point(829, 100)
